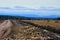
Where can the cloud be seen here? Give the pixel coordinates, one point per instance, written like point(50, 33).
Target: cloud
point(30, 3)
point(29, 12)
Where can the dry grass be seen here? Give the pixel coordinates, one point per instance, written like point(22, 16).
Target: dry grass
point(23, 32)
point(52, 23)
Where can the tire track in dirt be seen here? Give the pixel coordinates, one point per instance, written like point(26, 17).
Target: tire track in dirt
point(5, 28)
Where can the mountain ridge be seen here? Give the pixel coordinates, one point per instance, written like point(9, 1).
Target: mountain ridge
point(23, 17)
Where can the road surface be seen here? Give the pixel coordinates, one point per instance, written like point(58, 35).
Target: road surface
point(8, 25)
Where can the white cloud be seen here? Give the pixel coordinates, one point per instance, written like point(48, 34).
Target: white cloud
point(30, 3)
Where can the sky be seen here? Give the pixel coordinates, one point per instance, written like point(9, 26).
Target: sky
point(30, 7)
point(30, 3)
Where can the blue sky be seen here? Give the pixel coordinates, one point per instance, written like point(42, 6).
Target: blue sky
point(30, 8)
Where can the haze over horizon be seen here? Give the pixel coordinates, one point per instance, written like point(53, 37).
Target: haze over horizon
point(30, 8)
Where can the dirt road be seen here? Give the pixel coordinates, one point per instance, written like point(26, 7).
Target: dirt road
point(5, 28)
point(14, 27)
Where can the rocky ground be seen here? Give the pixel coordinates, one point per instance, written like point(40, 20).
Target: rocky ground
point(23, 31)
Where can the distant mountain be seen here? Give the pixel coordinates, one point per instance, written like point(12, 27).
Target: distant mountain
point(42, 12)
point(23, 17)
point(12, 17)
